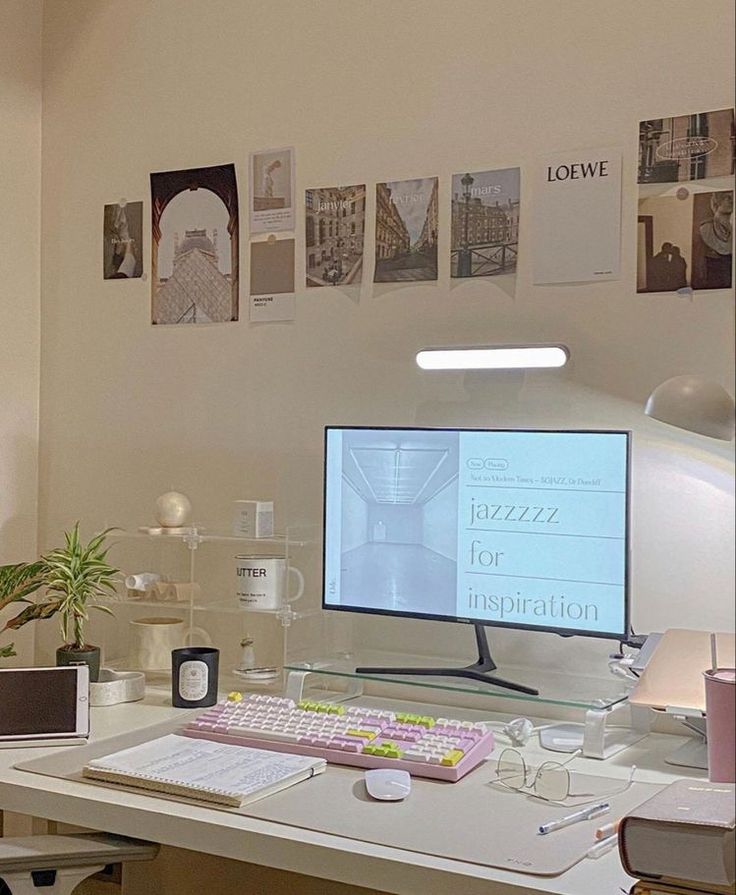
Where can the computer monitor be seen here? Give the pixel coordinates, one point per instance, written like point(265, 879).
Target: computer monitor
point(511, 528)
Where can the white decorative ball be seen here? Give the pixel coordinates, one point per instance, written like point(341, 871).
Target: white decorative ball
point(172, 509)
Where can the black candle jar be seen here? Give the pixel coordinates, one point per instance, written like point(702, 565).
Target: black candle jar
point(194, 676)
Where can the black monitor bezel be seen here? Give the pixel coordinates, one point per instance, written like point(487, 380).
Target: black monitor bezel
point(563, 632)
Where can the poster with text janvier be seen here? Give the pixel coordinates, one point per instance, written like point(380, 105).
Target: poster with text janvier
point(576, 216)
point(335, 230)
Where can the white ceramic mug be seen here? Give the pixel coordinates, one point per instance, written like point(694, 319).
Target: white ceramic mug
point(153, 639)
point(261, 582)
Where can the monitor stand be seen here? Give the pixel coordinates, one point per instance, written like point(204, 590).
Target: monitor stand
point(478, 671)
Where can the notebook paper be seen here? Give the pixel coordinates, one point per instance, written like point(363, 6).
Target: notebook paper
point(216, 772)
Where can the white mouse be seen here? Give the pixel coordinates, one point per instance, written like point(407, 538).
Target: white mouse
point(388, 784)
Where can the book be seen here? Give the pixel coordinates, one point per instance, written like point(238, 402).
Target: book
point(683, 836)
point(652, 888)
point(221, 773)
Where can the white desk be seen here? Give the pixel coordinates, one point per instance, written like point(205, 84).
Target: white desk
point(304, 851)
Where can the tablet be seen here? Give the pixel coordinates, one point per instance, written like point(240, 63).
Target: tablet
point(46, 705)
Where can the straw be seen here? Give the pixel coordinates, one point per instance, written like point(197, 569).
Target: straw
point(713, 656)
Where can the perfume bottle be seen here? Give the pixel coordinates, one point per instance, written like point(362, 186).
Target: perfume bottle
point(248, 655)
point(248, 670)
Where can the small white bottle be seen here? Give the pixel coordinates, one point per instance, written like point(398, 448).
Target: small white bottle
point(248, 656)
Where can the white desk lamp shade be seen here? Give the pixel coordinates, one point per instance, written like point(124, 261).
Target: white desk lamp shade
point(693, 403)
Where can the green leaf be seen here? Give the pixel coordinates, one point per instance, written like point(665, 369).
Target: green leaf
point(6, 652)
point(100, 608)
point(32, 613)
point(19, 581)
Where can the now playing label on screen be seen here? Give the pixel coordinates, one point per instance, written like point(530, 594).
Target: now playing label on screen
point(542, 529)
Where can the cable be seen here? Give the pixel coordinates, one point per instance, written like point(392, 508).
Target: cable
point(519, 731)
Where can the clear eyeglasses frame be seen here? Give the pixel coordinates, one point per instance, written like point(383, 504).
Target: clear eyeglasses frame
point(550, 782)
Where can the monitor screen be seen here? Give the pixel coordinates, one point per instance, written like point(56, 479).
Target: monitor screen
point(515, 528)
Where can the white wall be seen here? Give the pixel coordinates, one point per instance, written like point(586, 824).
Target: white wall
point(354, 519)
point(365, 92)
point(20, 231)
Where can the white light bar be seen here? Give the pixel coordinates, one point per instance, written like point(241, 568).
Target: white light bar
point(502, 357)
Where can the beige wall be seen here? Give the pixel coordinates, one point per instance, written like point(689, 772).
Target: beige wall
point(20, 229)
point(367, 92)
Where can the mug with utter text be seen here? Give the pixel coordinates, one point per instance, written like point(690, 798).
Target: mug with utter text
point(153, 639)
point(261, 582)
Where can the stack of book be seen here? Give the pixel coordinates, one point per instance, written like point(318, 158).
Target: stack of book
point(682, 841)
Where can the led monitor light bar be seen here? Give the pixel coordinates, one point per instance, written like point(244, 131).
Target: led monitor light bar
point(500, 357)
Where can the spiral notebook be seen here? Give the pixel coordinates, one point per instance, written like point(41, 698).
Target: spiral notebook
point(212, 772)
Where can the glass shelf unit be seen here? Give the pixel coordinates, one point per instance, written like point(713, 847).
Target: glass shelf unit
point(203, 560)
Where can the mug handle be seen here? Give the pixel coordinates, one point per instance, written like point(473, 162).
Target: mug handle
point(299, 586)
point(197, 632)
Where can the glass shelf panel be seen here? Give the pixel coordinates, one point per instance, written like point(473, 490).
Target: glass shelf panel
point(227, 680)
point(158, 604)
point(232, 606)
point(204, 535)
point(556, 688)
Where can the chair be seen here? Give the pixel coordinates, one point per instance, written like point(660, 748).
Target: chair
point(55, 865)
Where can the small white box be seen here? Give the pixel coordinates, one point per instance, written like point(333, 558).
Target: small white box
point(253, 519)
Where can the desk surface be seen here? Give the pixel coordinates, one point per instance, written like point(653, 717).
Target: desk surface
point(303, 851)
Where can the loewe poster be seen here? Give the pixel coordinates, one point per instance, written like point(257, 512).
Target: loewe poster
point(577, 216)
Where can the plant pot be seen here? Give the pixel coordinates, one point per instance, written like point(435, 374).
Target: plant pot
point(67, 655)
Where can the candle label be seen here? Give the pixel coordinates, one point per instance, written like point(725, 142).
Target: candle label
point(193, 680)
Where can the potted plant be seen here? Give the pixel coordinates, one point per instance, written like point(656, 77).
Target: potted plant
point(75, 576)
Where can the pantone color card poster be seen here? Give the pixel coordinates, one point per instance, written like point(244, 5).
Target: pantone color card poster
point(272, 296)
point(577, 217)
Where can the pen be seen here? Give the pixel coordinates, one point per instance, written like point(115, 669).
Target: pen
point(603, 847)
point(607, 829)
point(585, 814)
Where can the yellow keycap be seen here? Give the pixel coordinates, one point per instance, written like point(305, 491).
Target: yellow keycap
point(365, 734)
point(452, 758)
point(235, 696)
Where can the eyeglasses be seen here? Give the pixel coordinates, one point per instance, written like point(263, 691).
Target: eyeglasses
point(551, 780)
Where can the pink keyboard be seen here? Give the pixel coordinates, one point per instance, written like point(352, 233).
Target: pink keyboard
point(346, 734)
